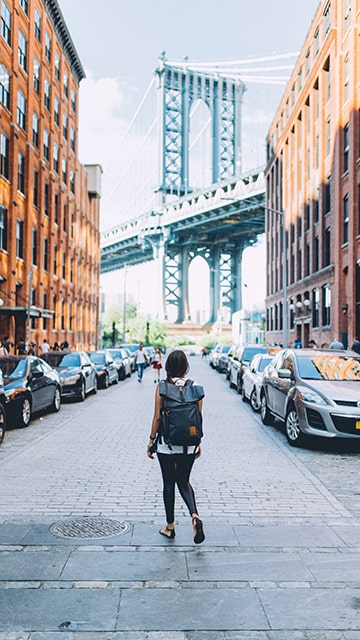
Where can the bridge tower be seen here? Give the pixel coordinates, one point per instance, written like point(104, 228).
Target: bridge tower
point(179, 87)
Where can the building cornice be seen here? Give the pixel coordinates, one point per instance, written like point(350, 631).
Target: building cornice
point(57, 19)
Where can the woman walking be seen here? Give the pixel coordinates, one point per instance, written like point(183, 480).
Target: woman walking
point(176, 462)
point(157, 366)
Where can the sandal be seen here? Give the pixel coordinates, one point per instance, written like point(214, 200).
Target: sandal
point(168, 533)
point(199, 536)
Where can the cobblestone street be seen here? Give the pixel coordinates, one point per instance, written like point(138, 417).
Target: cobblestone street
point(280, 561)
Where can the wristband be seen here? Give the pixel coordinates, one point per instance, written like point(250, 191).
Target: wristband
point(152, 438)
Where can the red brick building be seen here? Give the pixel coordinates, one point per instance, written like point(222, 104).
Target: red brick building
point(49, 202)
point(313, 176)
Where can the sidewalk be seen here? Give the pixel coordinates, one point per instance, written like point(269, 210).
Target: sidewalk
point(271, 568)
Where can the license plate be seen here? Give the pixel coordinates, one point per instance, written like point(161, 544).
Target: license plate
point(357, 425)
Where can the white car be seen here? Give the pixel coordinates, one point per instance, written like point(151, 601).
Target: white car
point(252, 379)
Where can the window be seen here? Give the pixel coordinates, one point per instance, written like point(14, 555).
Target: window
point(346, 219)
point(328, 136)
point(46, 198)
point(44, 302)
point(64, 170)
point(22, 51)
point(65, 126)
point(56, 158)
point(327, 247)
point(72, 139)
point(346, 78)
point(327, 79)
point(46, 145)
point(300, 81)
point(307, 260)
point(36, 188)
point(55, 260)
point(47, 94)
point(327, 197)
point(346, 147)
point(37, 24)
point(73, 100)
point(65, 218)
point(46, 254)
point(347, 15)
point(34, 246)
point(64, 265)
point(6, 22)
point(307, 62)
point(56, 208)
point(19, 238)
point(316, 41)
point(316, 210)
point(21, 109)
point(327, 18)
point(36, 78)
point(72, 181)
point(3, 228)
point(57, 110)
point(57, 65)
point(315, 307)
point(326, 305)
point(66, 85)
point(35, 130)
point(316, 257)
point(4, 156)
point(4, 86)
point(21, 173)
point(47, 47)
point(307, 216)
point(25, 6)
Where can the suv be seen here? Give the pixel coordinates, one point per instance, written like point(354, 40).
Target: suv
point(240, 360)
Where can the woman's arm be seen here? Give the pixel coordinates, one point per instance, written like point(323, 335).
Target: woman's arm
point(155, 421)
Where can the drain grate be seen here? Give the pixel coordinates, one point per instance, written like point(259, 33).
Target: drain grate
point(87, 527)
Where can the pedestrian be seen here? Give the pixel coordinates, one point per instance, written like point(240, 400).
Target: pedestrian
point(56, 346)
point(203, 352)
point(44, 347)
point(312, 344)
point(157, 366)
point(65, 346)
point(336, 344)
point(141, 360)
point(31, 350)
point(3, 349)
point(356, 345)
point(7, 344)
point(176, 462)
point(21, 347)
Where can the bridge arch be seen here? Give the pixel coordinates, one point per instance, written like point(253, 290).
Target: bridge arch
point(200, 145)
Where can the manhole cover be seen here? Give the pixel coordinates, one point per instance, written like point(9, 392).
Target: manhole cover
point(89, 528)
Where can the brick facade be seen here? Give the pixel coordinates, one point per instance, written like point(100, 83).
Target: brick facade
point(313, 176)
point(49, 220)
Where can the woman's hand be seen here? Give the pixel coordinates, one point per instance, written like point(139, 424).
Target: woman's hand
point(148, 452)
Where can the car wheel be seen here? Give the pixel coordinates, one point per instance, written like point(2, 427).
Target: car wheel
point(254, 402)
point(239, 385)
point(266, 416)
point(2, 423)
point(95, 389)
point(243, 396)
point(106, 381)
point(82, 394)
point(293, 432)
point(231, 383)
point(25, 412)
point(56, 403)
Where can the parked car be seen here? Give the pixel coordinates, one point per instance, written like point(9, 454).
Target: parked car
point(106, 370)
point(221, 364)
point(240, 361)
point(150, 353)
point(132, 349)
point(2, 408)
point(132, 358)
point(30, 385)
point(252, 379)
point(77, 373)
point(229, 357)
point(213, 355)
point(315, 392)
point(122, 362)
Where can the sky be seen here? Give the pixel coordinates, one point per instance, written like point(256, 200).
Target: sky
point(119, 43)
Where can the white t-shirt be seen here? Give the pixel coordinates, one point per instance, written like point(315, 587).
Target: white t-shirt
point(44, 347)
point(140, 357)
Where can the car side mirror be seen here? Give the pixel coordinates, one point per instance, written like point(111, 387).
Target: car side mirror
point(284, 373)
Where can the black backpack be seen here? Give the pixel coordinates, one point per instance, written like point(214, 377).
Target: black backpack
point(181, 418)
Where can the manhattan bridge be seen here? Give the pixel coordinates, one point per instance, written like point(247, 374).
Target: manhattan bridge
point(180, 210)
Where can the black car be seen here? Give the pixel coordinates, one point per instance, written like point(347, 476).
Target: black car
point(30, 385)
point(106, 370)
point(77, 373)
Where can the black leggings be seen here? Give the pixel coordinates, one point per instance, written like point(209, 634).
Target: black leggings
point(176, 468)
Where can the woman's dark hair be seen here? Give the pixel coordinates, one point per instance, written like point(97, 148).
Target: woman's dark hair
point(176, 365)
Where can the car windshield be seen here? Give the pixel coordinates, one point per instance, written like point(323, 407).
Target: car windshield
point(13, 368)
point(329, 367)
point(63, 359)
point(249, 352)
point(263, 363)
point(225, 349)
point(131, 347)
point(115, 353)
point(97, 358)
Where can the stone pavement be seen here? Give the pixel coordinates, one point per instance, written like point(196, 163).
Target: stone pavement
point(281, 559)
